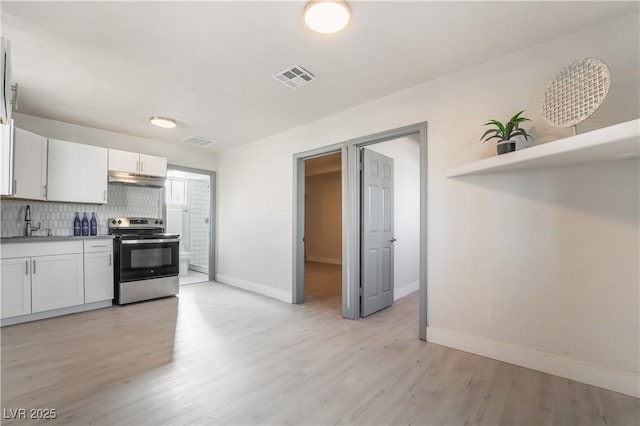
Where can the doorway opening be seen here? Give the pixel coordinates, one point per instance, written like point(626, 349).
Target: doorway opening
point(352, 212)
point(323, 231)
point(189, 196)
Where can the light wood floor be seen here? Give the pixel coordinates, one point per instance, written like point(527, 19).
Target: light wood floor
point(219, 355)
point(323, 287)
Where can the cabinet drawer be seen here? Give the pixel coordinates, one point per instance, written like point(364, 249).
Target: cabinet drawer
point(49, 248)
point(95, 246)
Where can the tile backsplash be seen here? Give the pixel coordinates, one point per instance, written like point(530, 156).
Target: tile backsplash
point(58, 217)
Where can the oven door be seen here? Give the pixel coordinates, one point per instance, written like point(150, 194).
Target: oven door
point(148, 258)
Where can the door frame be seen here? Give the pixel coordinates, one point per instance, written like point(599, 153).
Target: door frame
point(299, 215)
point(351, 218)
point(212, 212)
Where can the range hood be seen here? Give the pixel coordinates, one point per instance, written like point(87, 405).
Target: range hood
point(132, 179)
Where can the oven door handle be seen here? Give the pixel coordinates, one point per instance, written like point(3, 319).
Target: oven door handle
point(152, 241)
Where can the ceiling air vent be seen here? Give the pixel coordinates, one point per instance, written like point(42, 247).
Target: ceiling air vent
point(294, 76)
point(198, 141)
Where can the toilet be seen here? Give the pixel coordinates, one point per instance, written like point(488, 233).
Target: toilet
point(185, 256)
point(178, 223)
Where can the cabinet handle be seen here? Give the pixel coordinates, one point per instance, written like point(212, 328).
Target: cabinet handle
point(138, 166)
point(14, 96)
point(109, 259)
point(15, 186)
point(105, 195)
point(103, 245)
point(34, 266)
point(26, 267)
point(44, 190)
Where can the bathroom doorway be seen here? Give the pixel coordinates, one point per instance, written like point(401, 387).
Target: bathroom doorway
point(189, 199)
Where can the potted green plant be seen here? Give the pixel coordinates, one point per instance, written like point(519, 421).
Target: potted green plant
point(505, 133)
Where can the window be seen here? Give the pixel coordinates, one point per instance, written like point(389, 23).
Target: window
point(176, 193)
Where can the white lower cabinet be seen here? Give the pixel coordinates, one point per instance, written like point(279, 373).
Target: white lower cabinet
point(15, 281)
point(56, 282)
point(98, 276)
point(44, 279)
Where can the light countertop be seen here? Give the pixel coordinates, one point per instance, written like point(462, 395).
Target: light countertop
point(40, 239)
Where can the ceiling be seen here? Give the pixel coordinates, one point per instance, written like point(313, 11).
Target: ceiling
point(112, 65)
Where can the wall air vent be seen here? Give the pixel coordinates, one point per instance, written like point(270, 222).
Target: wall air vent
point(294, 76)
point(194, 140)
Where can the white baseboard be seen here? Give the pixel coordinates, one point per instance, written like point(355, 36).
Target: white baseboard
point(406, 290)
point(55, 313)
point(615, 379)
point(321, 259)
point(255, 288)
point(199, 268)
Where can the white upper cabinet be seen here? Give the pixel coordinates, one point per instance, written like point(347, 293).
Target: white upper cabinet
point(124, 161)
point(77, 172)
point(141, 164)
point(153, 166)
point(30, 162)
point(5, 82)
point(6, 159)
point(6, 129)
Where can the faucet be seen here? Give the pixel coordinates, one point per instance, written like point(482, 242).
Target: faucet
point(28, 229)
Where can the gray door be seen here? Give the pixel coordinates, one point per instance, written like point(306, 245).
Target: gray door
point(377, 232)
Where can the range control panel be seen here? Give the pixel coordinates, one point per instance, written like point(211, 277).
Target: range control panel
point(136, 222)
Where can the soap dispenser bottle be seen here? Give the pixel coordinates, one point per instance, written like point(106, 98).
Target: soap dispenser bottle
point(94, 224)
point(85, 224)
point(77, 225)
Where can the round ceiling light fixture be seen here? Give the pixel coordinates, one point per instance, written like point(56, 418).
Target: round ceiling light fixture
point(167, 123)
point(327, 16)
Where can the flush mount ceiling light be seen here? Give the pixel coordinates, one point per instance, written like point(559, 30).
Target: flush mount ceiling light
point(165, 122)
point(326, 16)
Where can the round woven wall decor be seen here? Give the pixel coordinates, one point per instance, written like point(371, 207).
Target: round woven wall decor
point(576, 92)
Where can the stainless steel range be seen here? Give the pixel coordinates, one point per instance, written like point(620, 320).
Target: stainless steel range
point(146, 259)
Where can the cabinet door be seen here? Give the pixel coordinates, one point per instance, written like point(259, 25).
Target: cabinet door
point(56, 282)
point(153, 166)
point(77, 172)
point(6, 159)
point(30, 160)
point(15, 280)
point(6, 80)
point(98, 277)
point(123, 161)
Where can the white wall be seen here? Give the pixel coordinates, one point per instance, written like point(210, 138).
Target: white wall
point(542, 264)
point(406, 208)
point(176, 153)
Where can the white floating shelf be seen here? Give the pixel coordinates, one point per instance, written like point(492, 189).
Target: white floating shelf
point(616, 142)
